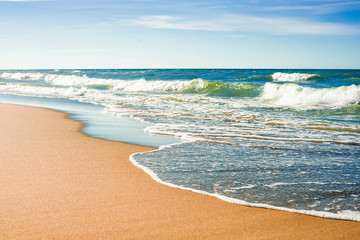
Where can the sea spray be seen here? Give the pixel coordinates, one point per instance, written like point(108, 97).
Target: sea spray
point(296, 96)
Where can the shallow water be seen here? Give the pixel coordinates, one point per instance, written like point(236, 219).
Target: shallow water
point(96, 123)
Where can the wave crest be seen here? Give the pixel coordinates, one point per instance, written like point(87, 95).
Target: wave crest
point(22, 76)
point(195, 86)
point(222, 89)
point(293, 77)
point(293, 95)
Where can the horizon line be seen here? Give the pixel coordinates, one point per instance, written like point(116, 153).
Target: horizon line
point(183, 68)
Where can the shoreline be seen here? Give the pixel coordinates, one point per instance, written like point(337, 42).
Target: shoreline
point(321, 214)
point(57, 182)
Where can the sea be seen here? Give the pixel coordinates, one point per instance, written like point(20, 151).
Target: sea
point(285, 139)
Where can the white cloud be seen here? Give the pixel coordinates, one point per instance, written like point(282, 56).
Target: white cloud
point(246, 23)
point(169, 22)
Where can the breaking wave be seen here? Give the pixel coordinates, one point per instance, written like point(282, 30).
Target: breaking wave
point(22, 76)
point(199, 86)
point(293, 77)
point(223, 89)
point(293, 95)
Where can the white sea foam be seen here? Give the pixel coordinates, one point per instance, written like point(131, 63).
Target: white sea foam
point(69, 80)
point(140, 85)
point(292, 77)
point(22, 76)
point(296, 96)
point(82, 81)
point(137, 85)
point(81, 94)
point(278, 184)
point(51, 92)
point(152, 86)
point(244, 187)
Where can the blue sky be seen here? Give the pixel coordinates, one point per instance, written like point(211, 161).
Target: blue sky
point(179, 34)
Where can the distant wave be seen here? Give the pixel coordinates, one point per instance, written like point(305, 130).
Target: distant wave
point(293, 77)
point(199, 86)
point(140, 85)
point(276, 95)
point(22, 76)
point(287, 94)
point(296, 96)
point(42, 91)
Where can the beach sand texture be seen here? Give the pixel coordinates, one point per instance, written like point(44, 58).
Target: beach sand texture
point(58, 183)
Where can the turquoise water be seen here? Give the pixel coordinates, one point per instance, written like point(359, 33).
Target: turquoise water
point(283, 139)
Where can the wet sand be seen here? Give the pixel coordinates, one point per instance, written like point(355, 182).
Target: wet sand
point(58, 183)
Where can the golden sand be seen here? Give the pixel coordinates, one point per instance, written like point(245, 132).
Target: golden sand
point(58, 183)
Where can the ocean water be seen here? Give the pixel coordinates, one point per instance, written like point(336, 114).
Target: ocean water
point(282, 139)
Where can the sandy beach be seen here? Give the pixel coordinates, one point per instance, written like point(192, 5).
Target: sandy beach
point(58, 183)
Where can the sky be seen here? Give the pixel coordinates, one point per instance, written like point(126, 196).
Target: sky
point(42, 34)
